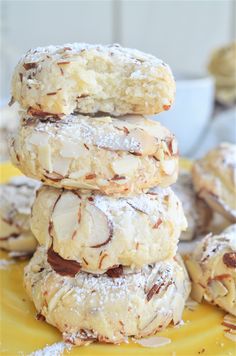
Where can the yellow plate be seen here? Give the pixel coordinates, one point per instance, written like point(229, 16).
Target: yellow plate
point(21, 334)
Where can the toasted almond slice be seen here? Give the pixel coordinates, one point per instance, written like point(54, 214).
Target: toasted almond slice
point(154, 341)
point(100, 226)
point(126, 166)
point(217, 289)
point(61, 165)
point(147, 143)
point(65, 216)
point(168, 166)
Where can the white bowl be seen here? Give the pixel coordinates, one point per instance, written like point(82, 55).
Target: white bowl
point(189, 117)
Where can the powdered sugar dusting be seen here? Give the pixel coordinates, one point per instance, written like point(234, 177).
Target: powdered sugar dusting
point(109, 289)
point(212, 245)
point(4, 264)
point(112, 289)
point(103, 132)
point(56, 349)
point(74, 50)
point(228, 153)
point(76, 128)
point(17, 196)
point(152, 204)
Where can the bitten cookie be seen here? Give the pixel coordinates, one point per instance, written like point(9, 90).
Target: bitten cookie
point(88, 307)
point(100, 232)
point(214, 179)
point(115, 156)
point(198, 214)
point(16, 199)
point(212, 268)
point(92, 78)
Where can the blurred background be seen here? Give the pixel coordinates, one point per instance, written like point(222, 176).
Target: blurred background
point(182, 33)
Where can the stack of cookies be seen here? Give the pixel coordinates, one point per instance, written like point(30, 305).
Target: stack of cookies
point(105, 218)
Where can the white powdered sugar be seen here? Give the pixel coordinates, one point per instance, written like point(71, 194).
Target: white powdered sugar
point(150, 203)
point(214, 244)
point(228, 155)
point(111, 289)
point(107, 288)
point(74, 51)
point(17, 196)
point(56, 349)
point(73, 129)
point(210, 246)
point(4, 264)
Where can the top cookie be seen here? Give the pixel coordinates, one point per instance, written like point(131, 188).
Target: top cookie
point(92, 78)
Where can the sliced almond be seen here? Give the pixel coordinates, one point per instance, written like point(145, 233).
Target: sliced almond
point(55, 177)
point(147, 143)
point(65, 216)
point(168, 166)
point(229, 321)
point(159, 156)
point(126, 166)
point(101, 229)
point(61, 165)
point(217, 289)
point(115, 272)
point(38, 138)
point(154, 341)
point(173, 146)
point(197, 292)
point(44, 156)
point(72, 150)
point(62, 266)
point(82, 185)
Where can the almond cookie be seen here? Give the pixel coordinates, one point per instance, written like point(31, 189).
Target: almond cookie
point(101, 232)
point(16, 199)
point(88, 79)
point(212, 268)
point(214, 179)
point(222, 67)
point(116, 156)
point(88, 308)
point(198, 214)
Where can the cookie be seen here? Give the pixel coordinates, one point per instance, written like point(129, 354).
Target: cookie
point(88, 308)
point(16, 199)
point(198, 214)
point(214, 179)
point(8, 124)
point(212, 268)
point(222, 67)
point(115, 156)
point(100, 232)
point(88, 79)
